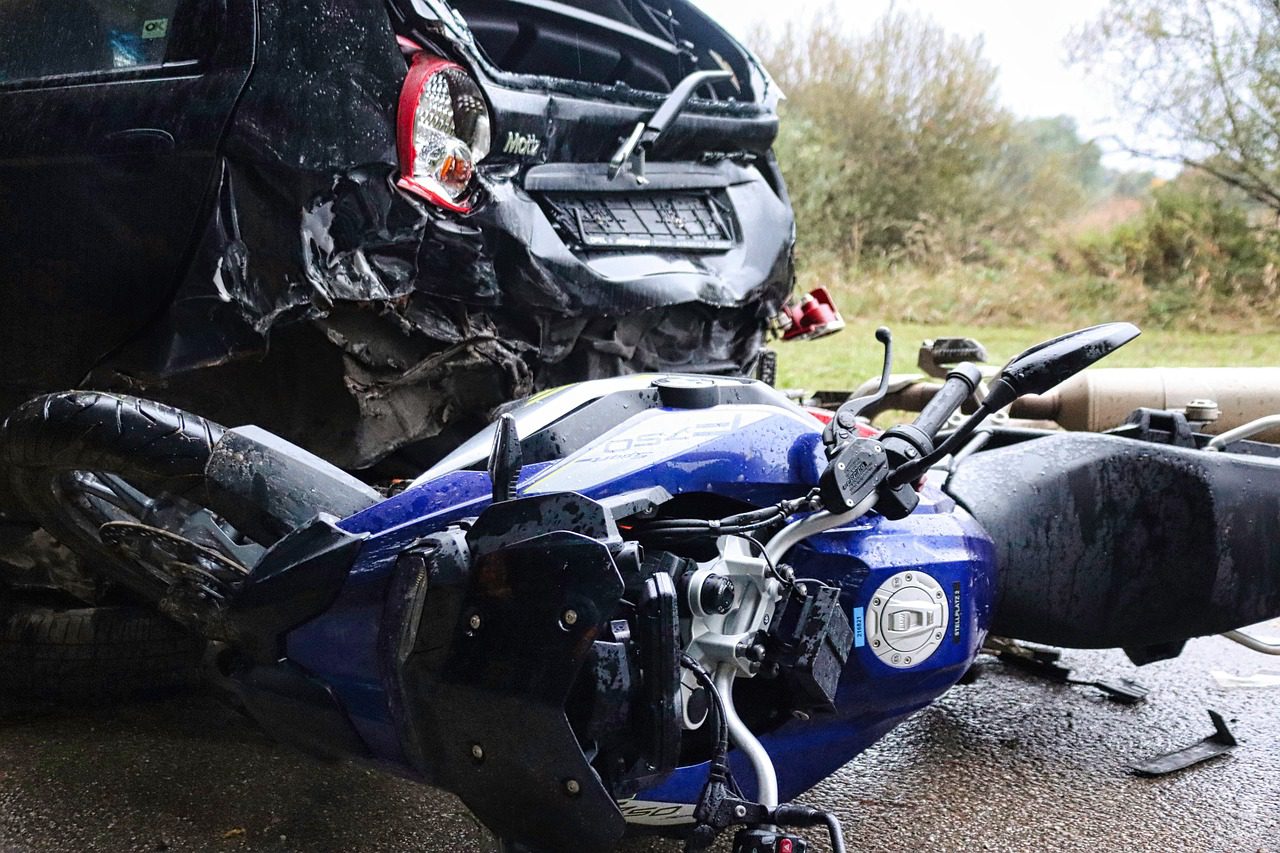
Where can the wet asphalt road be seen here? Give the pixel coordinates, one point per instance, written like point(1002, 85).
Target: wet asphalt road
point(1010, 763)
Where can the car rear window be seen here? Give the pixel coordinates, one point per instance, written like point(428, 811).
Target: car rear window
point(49, 38)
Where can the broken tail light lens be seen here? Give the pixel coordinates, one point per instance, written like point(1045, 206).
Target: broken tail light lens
point(443, 131)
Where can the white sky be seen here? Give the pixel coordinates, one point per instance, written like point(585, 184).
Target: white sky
point(1023, 38)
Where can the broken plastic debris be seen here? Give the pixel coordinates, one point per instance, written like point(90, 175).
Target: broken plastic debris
point(1259, 680)
point(1219, 743)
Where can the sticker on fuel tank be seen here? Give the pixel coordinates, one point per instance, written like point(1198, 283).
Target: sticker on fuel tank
point(859, 627)
point(955, 612)
point(647, 440)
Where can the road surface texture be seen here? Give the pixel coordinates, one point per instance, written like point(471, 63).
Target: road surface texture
point(1010, 763)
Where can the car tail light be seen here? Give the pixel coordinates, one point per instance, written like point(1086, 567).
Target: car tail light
point(443, 131)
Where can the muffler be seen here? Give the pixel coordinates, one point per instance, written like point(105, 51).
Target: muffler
point(1096, 400)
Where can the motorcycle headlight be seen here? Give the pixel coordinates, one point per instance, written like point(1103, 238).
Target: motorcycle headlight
point(443, 131)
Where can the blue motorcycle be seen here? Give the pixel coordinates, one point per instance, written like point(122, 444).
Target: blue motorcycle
point(657, 604)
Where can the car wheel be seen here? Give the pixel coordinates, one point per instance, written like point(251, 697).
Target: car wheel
point(56, 649)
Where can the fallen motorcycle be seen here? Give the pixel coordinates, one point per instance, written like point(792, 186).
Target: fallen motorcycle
point(663, 604)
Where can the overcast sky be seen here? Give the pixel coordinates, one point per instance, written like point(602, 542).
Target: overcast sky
point(1023, 38)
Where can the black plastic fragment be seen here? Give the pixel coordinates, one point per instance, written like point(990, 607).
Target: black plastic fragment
point(1219, 743)
point(1044, 664)
point(1123, 690)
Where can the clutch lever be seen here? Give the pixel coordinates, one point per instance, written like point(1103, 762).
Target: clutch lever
point(840, 428)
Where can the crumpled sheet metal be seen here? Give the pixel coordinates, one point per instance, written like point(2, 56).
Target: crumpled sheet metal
point(435, 319)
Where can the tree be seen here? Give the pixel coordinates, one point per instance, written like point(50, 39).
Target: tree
point(884, 133)
point(1201, 76)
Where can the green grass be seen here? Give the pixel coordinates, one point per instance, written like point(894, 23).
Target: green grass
point(846, 359)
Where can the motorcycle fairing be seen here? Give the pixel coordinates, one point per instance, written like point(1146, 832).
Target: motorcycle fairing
point(487, 707)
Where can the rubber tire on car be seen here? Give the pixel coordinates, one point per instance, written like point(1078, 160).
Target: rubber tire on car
point(63, 652)
point(56, 434)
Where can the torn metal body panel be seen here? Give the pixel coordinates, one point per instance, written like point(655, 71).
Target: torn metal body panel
point(320, 299)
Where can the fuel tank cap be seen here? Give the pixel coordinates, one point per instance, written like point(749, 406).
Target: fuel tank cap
point(688, 392)
point(907, 618)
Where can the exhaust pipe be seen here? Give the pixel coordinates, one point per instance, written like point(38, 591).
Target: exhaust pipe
point(1096, 400)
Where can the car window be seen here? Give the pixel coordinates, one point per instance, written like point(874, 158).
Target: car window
point(45, 38)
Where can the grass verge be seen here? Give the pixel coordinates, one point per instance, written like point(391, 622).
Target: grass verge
point(846, 359)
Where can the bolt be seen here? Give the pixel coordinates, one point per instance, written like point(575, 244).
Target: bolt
point(477, 752)
point(938, 594)
point(875, 643)
point(875, 602)
point(911, 452)
point(907, 660)
point(840, 466)
point(572, 788)
point(474, 621)
point(570, 617)
point(938, 635)
point(739, 811)
point(908, 576)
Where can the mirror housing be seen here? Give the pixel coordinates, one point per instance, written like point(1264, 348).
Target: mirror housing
point(1044, 365)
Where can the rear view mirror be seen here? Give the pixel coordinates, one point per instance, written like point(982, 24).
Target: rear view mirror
point(1044, 365)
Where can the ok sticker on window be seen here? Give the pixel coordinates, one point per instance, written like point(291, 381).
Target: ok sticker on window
point(156, 28)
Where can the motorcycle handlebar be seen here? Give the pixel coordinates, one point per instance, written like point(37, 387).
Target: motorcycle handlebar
point(960, 383)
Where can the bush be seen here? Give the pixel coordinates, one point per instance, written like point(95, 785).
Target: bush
point(1196, 249)
point(896, 149)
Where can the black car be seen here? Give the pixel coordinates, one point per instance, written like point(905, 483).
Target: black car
point(365, 225)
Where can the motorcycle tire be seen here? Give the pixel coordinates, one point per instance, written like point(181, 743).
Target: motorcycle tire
point(58, 436)
point(54, 650)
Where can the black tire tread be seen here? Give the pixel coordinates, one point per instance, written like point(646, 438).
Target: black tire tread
point(99, 431)
point(84, 654)
point(96, 429)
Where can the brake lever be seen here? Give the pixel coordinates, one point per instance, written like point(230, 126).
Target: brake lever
point(840, 428)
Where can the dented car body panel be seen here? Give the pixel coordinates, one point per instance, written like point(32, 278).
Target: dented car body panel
point(318, 299)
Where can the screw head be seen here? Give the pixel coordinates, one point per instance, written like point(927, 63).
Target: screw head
point(474, 621)
point(875, 602)
point(875, 643)
point(569, 617)
point(740, 811)
point(908, 576)
point(572, 788)
point(477, 752)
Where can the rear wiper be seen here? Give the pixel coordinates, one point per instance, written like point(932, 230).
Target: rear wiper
point(647, 133)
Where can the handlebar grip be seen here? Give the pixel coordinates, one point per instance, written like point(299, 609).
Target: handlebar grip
point(961, 382)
